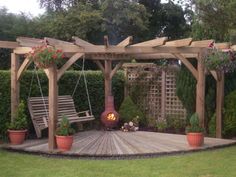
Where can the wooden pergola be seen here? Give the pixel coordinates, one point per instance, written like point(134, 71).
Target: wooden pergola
point(105, 55)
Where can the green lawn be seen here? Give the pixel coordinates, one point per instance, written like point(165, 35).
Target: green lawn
point(215, 163)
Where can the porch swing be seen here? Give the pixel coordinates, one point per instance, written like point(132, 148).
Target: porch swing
point(38, 106)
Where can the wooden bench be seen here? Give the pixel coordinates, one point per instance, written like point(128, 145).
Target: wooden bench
point(38, 108)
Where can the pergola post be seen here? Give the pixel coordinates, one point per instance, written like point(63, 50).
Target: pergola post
point(15, 85)
point(219, 103)
point(108, 85)
point(200, 92)
point(52, 99)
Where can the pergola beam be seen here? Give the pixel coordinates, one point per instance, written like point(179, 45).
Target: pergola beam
point(128, 50)
point(233, 47)
point(106, 41)
point(118, 66)
point(101, 67)
point(9, 44)
point(179, 43)
point(81, 42)
point(30, 42)
point(23, 67)
point(126, 41)
point(187, 64)
point(152, 43)
point(137, 56)
point(214, 74)
point(203, 43)
point(46, 71)
point(22, 50)
point(68, 64)
point(222, 46)
point(162, 56)
point(54, 42)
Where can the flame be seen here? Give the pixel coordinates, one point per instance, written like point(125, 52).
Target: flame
point(111, 117)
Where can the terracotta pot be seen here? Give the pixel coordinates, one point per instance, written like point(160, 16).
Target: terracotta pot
point(17, 136)
point(64, 143)
point(195, 139)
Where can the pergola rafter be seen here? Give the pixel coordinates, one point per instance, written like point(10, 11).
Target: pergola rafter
point(104, 55)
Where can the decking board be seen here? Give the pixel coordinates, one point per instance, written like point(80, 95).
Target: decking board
point(118, 143)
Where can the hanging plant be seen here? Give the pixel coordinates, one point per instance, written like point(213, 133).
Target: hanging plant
point(221, 60)
point(45, 56)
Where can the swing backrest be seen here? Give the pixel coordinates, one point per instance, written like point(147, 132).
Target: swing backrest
point(38, 108)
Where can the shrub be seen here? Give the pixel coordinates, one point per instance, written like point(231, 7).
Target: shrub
point(64, 128)
point(19, 122)
point(229, 121)
point(194, 126)
point(175, 122)
point(151, 121)
point(161, 125)
point(186, 89)
point(128, 111)
point(212, 126)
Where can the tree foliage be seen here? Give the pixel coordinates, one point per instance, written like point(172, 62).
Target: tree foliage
point(166, 19)
point(229, 121)
point(123, 18)
point(214, 19)
point(92, 19)
point(82, 21)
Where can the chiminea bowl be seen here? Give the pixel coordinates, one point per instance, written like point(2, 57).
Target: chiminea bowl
point(110, 117)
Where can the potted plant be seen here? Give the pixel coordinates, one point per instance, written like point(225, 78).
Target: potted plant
point(45, 56)
point(18, 127)
point(64, 132)
point(221, 60)
point(194, 132)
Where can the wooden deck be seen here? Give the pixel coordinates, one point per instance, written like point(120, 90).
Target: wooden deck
point(121, 144)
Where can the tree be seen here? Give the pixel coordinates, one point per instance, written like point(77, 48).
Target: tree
point(12, 25)
point(61, 5)
point(166, 19)
point(212, 19)
point(82, 21)
point(174, 23)
point(123, 18)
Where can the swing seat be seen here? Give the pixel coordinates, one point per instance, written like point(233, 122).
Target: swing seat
point(38, 108)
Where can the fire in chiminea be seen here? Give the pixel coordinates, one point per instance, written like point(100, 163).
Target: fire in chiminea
point(110, 117)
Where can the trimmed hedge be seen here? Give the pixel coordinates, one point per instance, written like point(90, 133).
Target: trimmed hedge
point(66, 85)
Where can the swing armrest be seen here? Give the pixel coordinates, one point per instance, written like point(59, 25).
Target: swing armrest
point(84, 112)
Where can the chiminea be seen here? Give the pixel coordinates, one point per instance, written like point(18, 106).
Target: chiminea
point(110, 117)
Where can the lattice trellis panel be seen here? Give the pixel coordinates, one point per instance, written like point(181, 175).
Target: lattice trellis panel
point(158, 86)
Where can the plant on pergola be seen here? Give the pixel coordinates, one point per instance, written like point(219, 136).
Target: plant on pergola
point(104, 55)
